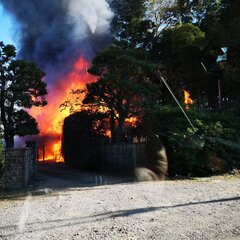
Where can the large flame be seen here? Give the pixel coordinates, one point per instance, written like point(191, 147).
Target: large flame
point(50, 118)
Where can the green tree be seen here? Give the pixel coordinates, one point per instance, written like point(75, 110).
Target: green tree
point(21, 87)
point(180, 56)
point(124, 85)
point(157, 12)
point(130, 27)
point(167, 13)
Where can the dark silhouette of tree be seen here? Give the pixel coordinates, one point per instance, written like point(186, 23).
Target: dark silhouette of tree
point(21, 87)
point(83, 133)
point(125, 84)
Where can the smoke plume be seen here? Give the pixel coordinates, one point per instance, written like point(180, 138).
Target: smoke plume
point(52, 32)
point(61, 37)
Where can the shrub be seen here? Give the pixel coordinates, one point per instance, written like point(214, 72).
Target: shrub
point(82, 136)
point(215, 141)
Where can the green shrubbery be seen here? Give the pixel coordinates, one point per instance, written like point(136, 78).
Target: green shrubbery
point(213, 148)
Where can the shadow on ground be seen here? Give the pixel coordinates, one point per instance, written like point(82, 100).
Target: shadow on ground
point(61, 223)
point(53, 176)
point(59, 176)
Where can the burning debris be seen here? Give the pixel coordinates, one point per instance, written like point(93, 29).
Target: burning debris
point(61, 37)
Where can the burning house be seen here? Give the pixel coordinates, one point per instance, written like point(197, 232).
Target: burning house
point(61, 37)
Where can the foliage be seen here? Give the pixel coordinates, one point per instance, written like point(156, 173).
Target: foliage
point(126, 81)
point(21, 87)
point(189, 151)
point(181, 57)
point(228, 23)
point(167, 13)
point(82, 135)
point(128, 26)
point(190, 34)
point(157, 11)
point(180, 40)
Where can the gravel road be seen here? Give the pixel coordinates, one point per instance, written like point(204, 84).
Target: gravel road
point(207, 208)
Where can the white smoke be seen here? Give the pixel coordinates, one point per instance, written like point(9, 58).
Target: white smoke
point(92, 16)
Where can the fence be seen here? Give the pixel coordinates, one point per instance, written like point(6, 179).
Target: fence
point(19, 168)
point(122, 157)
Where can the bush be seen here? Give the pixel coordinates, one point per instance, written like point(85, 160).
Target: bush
point(213, 148)
point(82, 136)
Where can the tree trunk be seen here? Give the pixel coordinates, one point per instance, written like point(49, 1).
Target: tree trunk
point(9, 141)
point(8, 137)
point(120, 135)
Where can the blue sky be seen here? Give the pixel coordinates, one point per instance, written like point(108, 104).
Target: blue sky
point(6, 27)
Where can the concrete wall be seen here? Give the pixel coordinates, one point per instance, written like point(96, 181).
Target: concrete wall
point(122, 157)
point(20, 168)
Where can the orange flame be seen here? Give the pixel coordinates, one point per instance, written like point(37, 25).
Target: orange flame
point(50, 118)
point(187, 99)
point(132, 121)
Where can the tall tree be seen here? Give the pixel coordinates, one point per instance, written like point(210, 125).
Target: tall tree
point(21, 87)
point(229, 36)
point(180, 55)
point(130, 27)
point(124, 85)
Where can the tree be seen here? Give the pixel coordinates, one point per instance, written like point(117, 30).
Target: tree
point(124, 85)
point(222, 30)
point(82, 136)
point(181, 55)
point(21, 87)
point(168, 13)
point(129, 26)
point(229, 22)
point(157, 12)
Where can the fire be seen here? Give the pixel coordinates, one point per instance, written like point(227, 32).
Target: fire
point(132, 121)
point(108, 133)
point(187, 99)
point(50, 118)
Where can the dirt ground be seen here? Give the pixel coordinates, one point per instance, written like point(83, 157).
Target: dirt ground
point(71, 206)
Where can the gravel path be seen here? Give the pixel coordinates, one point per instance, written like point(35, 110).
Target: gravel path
point(200, 209)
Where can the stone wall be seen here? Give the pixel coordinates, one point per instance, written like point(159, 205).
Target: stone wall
point(20, 168)
point(122, 157)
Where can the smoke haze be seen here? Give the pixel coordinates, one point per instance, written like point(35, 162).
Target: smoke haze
point(61, 37)
point(53, 32)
